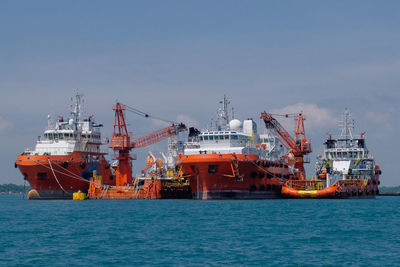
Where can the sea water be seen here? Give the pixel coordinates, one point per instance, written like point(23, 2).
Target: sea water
point(280, 232)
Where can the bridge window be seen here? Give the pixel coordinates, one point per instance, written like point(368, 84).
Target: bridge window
point(211, 137)
point(205, 137)
point(234, 137)
point(226, 137)
point(221, 137)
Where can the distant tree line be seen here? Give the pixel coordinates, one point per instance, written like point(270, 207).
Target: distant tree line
point(389, 189)
point(13, 188)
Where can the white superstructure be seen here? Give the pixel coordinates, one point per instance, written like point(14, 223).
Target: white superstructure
point(66, 136)
point(230, 135)
point(346, 157)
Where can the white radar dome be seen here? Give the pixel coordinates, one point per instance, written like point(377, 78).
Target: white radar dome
point(235, 125)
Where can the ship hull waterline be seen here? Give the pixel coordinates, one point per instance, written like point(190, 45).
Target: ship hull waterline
point(58, 177)
point(224, 176)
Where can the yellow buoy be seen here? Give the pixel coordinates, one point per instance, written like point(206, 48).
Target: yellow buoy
point(33, 194)
point(79, 195)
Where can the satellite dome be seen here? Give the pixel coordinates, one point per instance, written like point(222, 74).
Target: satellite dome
point(235, 125)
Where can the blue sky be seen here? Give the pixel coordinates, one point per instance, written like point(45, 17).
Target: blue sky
point(178, 58)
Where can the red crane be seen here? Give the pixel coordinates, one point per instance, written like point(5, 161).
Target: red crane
point(299, 146)
point(121, 142)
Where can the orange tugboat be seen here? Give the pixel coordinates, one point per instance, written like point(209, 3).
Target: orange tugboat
point(233, 161)
point(347, 169)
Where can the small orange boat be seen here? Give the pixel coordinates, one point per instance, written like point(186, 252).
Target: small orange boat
point(151, 187)
point(318, 189)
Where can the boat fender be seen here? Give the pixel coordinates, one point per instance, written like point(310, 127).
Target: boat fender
point(83, 165)
point(15, 165)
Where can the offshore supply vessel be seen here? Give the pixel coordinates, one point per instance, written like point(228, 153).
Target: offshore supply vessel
point(64, 159)
point(346, 169)
point(231, 160)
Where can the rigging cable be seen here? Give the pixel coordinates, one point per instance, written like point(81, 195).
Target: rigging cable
point(56, 177)
point(146, 115)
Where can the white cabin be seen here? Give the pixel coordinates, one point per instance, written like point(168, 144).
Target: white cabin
point(68, 136)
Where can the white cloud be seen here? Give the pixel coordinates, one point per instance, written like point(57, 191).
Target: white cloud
point(316, 117)
point(4, 124)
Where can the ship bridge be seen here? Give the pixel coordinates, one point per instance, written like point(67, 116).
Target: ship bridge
point(223, 142)
point(67, 136)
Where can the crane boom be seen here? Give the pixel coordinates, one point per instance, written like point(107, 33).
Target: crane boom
point(298, 146)
point(157, 136)
point(121, 142)
point(284, 137)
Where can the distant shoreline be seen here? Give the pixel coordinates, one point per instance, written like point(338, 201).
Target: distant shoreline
point(10, 189)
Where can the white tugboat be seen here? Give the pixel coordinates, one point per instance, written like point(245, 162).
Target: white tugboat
point(346, 169)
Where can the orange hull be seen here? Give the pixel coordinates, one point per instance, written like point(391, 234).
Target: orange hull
point(151, 189)
point(323, 193)
point(54, 176)
point(340, 189)
point(231, 176)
